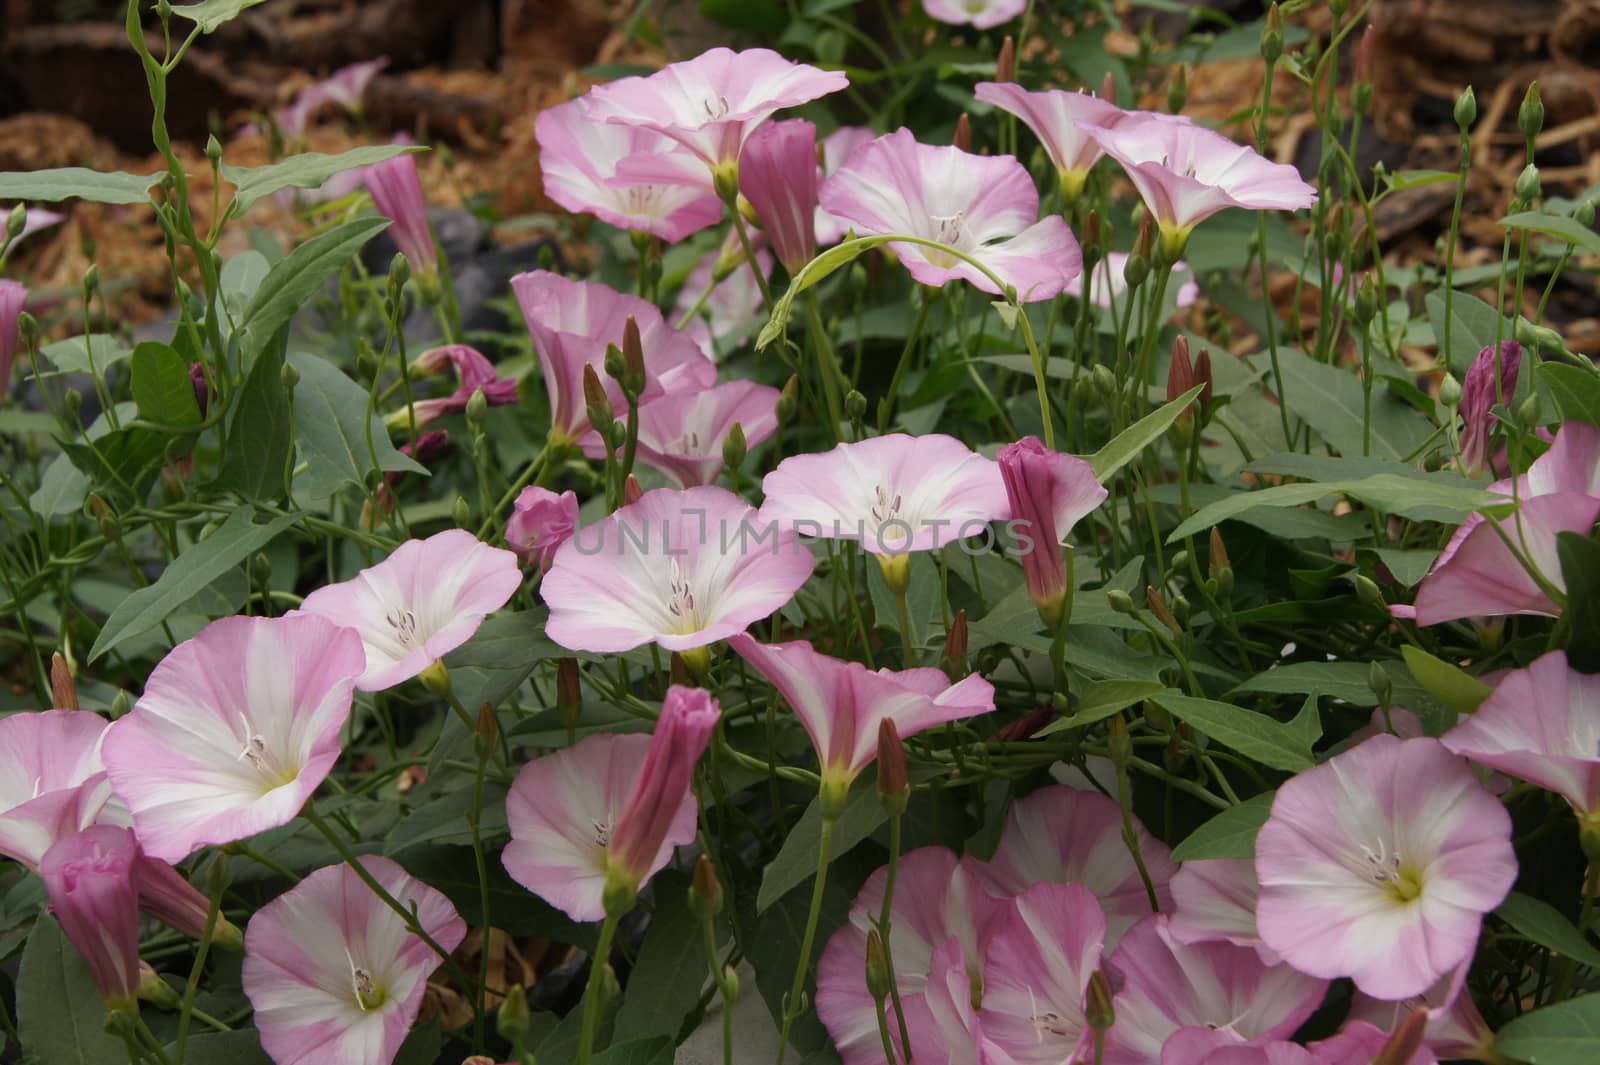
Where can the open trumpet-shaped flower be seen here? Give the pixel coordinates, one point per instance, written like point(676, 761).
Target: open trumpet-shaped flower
point(572, 322)
point(334, 974)
point(1066, 835)
point(1040, 953)
point(682, 435)
point(1186, 173)
point(473, 372)
point(1380, 864)
point(1214, 901)
point(421, 602)
point(682, 569)
point(52, 781)
point(235, 730)
point(985, 207)
point(92, 881)
point(1108, 281)
point(579, 158)
point(843, 704)
point(979, 14)
point(1057, 118)
point(605, 814)
point(712, 103)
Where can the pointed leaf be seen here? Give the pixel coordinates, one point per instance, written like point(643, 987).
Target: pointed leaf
point(1140, 435)
point(1256, 736)
point(1230, 834)
point(308, 170)
point(77, 183)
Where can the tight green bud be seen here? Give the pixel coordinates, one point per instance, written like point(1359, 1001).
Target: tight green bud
point(1530, 116)
point(789, 399)
point(877, 967)
point(1121, 602)
point(1272, 35)
point(1530, 411)
point(1585, 213)
point(705, 890)
point(1450, 392)
point(1369, 593)
point(15, 221)
point(1119, 745)
point(1528, 185)
point(735, 448)
point(1466, 111)
point(855, 405)
point(514, 1018)
point(1379, 681)
point(1105, 382)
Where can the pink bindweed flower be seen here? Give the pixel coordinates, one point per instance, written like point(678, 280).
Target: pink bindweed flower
point(235, 730)
point(1380, 864)
point(344, 88)
point(979, 14)
point(842, 704)
point(711, 104)
point(682, 435)
point(1040, 953)
point(397, 193)
point(420, 603)
point(92, 880)
point(541, 521)
point(836, 148)
point(682, 569)
point(609, 810)
point(1065, 835)
point(473, 373)
point(13, 294)
point(985, 207)
point(573, 321)
point(52, 781)
point(1214, 901)
point(732, 308)
point(34, 220)
point(334, 974)
point(938, 897)
point(165, 895)
point(1491, 381)
point(1107, 282)
point(1223, 990)
point(1049, 493)
point(1541, 724)
point(1453, 1029)
point(778, 175)
point(1187, 173)
point(579, 157)
point(1057, 118)
point(892, 494)
point(954, 1030)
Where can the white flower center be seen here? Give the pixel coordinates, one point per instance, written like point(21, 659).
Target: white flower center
point(274, 772)
point(642, 199)
point(680, 601)
point(1391, 872)
point(369, 996)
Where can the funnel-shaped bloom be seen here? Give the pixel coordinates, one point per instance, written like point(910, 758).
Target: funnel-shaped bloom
point(1214, 901)
point(236, 729)
point(778, 175)
point(334, 974)
point(1454, 1027)
point(980, 14)
point(573, 321)
point(1108, 281)
point(609, 810)
point(682, 569)
point(579, 158)
point(397, 194)
point(983, 206)
point(1380, 864)
point(420, 603)
point(540, 522)
point(1040, 954)
point(712, 103)
point(52, 782)
point(343, 88)
point(836, 148)
point(892, 494)
point(12, 296)
point(1187, 173)
point(1491, 380)
point(1057, 118)
point(938, 897)
point(473, 372)
point(92, 881)
point(842, 704)
point(1541, 724)
point(1049, 493)
point(682, 435)
point(1063, 835)
point(734, 305)
point(1167, 986)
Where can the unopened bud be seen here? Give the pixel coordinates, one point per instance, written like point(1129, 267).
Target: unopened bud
point(289, 375)
point(1367, 55)
point(219, 874)
point(594, 397)
point(569, 692)
point(877, 967)
point(894, 784)
point(955, 646)
point(121, 703)
point(1180, 377)
point(1528, 187)
point(1585, 213)
point(1137, 268)
point(399, 274)
point(1005, 67)
point(213, 149)
point(1119, 745)
point(486, 730)
point(1379, 681)
point(963, 135)
point(1181, 610)
point(1530, 116)
point(855, 405)
point(477, 407)
point(1450, 392)
point(1405, 1040)
point(615, 365)
point(1108, 87)
point(1203, 378)
point(1158, 607)
point(1098, 1011)
point(734, 448)
point(63, 692)
point(514, 1018)
point(1466, 110)
point(1105, 382)
point(1530, 411)
point(1272, 35)
point(18, 218)
point(705, 890)
point(789, 399)
point(1369, 593)
point(156, 991)
point(633, 378)
point(1366, 308)
point(1121, 602)
point(461, 513)
point(632, 490)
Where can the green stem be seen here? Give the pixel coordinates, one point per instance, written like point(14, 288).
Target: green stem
point(1450, 246)
point(883, 1032)
point(908, 655)
point(794, 1001)
point(827, 362)
point(591, 995)
point(213, 910)
point(884, 917)
point(886, 405)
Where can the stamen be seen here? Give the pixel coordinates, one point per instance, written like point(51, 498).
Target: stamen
point(404, 624)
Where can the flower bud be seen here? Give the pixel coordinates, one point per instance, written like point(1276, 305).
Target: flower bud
point(729, 983)
point(1108, 87)
point(1585, 213)
point(1379, 681)
point(955, 647)
point(1180, 377)
point(705, 890)
point(633, 377)
point(789, 399)
point(461, 513)
point(632, 490)
point(156, 991)
point(594, 397)
point(1105, 382)
point(1005, 67)
point(894, 784)
point(1528, 187)
point(1137, 267)
point(1272, 35)
point(877, 967)
point(477, 407)
point(963, 135)
point(1530, 412)
point(289, 376)
point(1098, 1011)
point(63, 692)
point(121, 703)
point(734, 448)
point(1466, 110)
point(486, 731)
point(855, 405)
point(1119, 745)
point(615, 365)
point(569, 692)
point(1530, 116)
point(1158, 607)
point(514, 1018)
point(1450, 391)
point(1369, 593)
point(18, 218)
point(1121, 602)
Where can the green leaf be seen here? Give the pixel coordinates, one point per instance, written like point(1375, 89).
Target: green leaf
point(1330, 399)
point(1451, 685)
point(209, 14)
point(655, 1051)
point(1408, 566)
point(1392, 494)
point(666, 980)
point(1580, 573)
point(91, 353)
point(813, 273)
point(1104, 698)
point(339, 439)
point(1544, 924)
point(77, 183)
point(62, 489)
point(189, 574)
point(797, 859)
point(162, 387)
point(1141, 434)
point(59, 1011)
point(1253, 735)
point(1230, 834)
point(499, 657)
point(308, 170)
point(122, 463)
point(444, 820)
point(1567, 1033)
point(1564, 228)
point(258, 432)
point(1574, 390)
point(1473, 326)
point(239, 1047)
point(296, 277)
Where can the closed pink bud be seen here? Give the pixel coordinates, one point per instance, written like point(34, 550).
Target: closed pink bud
point(397, 193)
point(1491, 380)
point(92, 879)
point(12, 296)
point(541, 522)
point(778, 175)
point(1049, 493)
point(165, 895)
